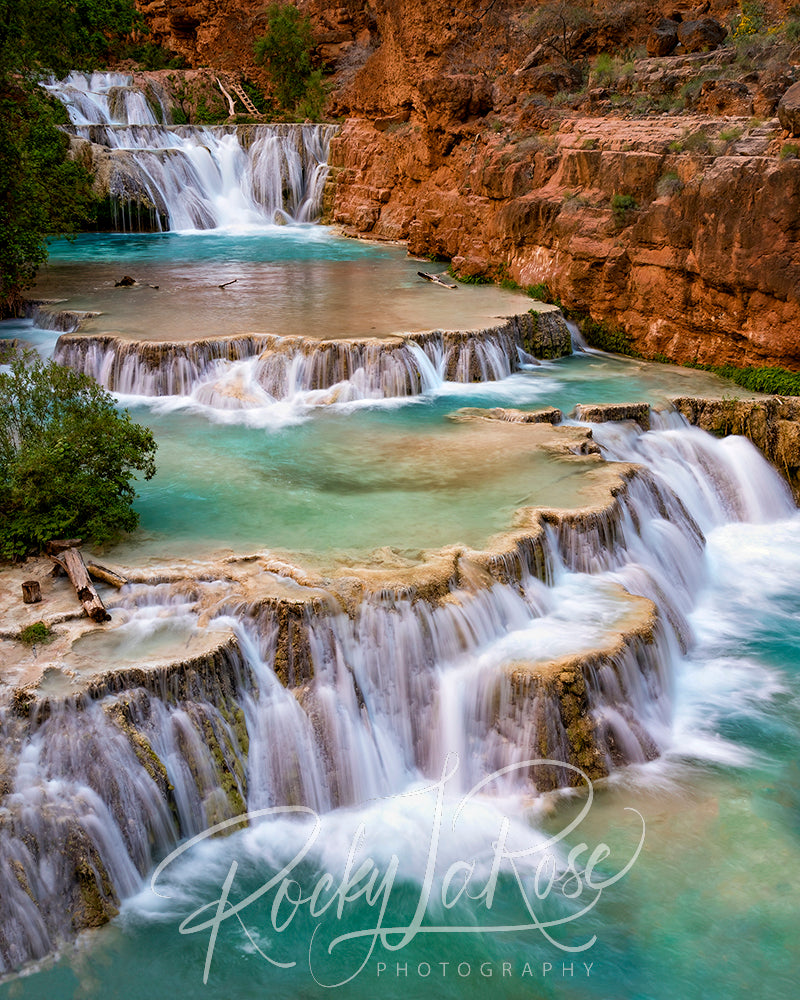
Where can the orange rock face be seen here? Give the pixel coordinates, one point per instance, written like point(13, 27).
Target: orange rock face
point(448, 144)
point(704, 267)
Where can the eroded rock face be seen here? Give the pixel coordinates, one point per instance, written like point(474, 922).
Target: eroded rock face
point(706, 268)
point(789, 109)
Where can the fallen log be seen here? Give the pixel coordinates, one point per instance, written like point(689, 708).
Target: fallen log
point(436, 279)
point(71, 561)
point(106, 575)
point(56, 545)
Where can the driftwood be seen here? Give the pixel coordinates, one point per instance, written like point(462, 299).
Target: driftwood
point(71, 561)
point(106, 575)
point(228, 98)
point(436, 279)
point(58, 545)
point(31, 592)
point(229, 283)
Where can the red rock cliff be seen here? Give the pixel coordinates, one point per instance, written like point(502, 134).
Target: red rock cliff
point(683, 230)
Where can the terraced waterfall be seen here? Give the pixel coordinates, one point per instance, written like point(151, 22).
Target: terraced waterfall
point(161, 176)
point(411, 629)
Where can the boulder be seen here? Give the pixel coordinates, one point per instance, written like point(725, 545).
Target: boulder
point(469, 267)
point(772, 85)
point(701, 36)
point(789, 109)
point(663, 37)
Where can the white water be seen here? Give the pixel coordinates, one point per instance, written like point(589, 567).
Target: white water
point(184, 178)
point(298, 373)
point(390, 692)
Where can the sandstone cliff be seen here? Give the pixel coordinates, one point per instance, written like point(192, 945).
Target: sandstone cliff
point(649, 197)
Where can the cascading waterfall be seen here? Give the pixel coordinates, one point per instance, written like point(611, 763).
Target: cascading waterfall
point(249, 371)
point(375, 699)
point(166, 177)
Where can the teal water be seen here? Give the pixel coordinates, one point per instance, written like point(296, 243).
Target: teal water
point(287, 280)
point(272, 243)
point(355, 477)
point(707, 911)
point(339, 483)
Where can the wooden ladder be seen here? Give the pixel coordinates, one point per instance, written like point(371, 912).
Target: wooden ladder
point(239, 90)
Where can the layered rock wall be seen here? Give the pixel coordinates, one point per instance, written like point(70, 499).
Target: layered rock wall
point(695, 255)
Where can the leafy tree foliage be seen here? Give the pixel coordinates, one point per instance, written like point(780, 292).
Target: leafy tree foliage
point(285, 52)
point(67, 459)
point(56, 36)
point(41, 193)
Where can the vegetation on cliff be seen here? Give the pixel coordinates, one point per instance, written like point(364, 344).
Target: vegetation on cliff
point(67, 459)
point(778, 381)
point(285, 53)
point(41, 193)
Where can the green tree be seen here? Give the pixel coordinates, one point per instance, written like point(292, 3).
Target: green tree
point(55, 36)
point(67, 459)
point(41, 193)
point(285, 52)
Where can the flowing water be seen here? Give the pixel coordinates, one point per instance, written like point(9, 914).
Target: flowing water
point(399, 755)
point(166, 177)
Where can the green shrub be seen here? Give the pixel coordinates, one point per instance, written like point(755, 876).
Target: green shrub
point(151, 56)
point(35, 634)
point(731, 134)
point(621, 205)
point(312, 103)
point(604, 337)
point(67, 458)
point(749, 20)
point(779, 381)
point(42, 192)
point(792, 29)
point(789, 151)
point(540, 291)
point(285, 52)
point(470, 279)
point(691, 142)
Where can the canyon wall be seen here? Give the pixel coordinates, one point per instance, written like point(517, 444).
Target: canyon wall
point(695, 255)
point(662, 200)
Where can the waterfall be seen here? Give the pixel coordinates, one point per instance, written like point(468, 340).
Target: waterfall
point(538, 652)
point(248, 371)
point(166, 177)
